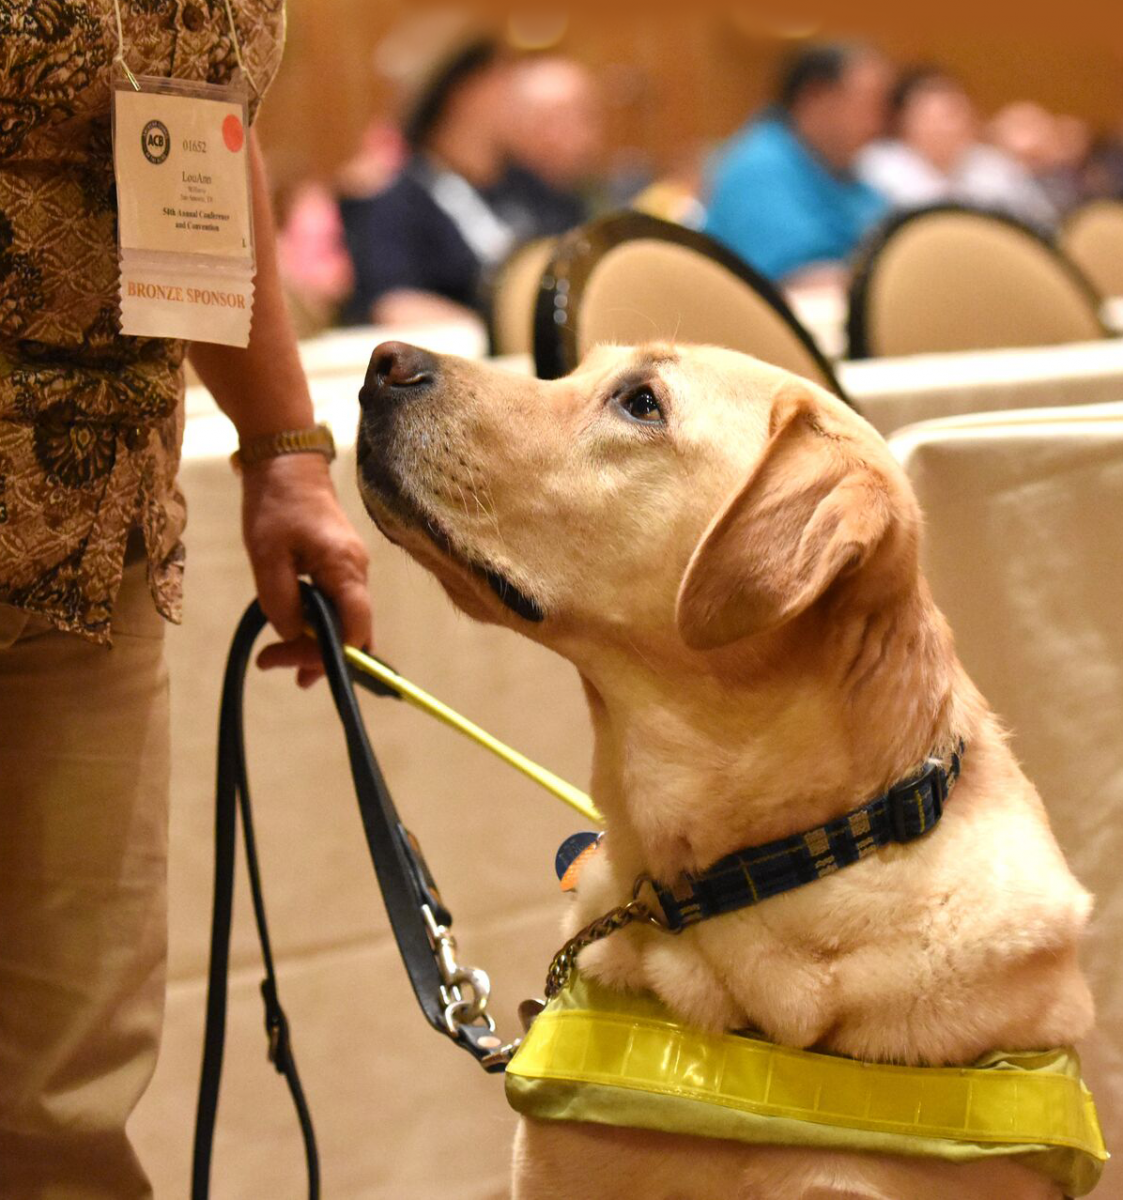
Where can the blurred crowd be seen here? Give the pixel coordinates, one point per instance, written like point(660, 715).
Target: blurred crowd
point(490, 149)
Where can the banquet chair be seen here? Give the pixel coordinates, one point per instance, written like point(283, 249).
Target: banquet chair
point(512, 295)
point(1092, 237)
point(950, 278)
point(1023, 512)
point(632, 278)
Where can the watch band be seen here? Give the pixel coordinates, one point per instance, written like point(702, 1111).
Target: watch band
point(316, 440)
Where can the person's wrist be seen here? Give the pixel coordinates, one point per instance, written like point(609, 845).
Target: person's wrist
point(314, 440)
point(287, 466)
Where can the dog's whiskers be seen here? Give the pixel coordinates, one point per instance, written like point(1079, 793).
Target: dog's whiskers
point(488, 509)
point(463, 498)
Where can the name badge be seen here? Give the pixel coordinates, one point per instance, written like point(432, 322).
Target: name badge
point(185, 212)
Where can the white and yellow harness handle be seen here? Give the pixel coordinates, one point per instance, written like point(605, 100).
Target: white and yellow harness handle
point(419, 698)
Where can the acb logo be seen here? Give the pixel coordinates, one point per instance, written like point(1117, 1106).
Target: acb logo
point(155, 142)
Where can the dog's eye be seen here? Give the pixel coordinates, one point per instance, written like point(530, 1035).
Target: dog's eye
point(642, 406)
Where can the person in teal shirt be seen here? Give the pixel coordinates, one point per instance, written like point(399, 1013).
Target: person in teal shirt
point(783, 196)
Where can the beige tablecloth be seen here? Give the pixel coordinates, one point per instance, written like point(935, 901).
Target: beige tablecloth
point(893, 392)
point(401, 1114)
point(1023, 552)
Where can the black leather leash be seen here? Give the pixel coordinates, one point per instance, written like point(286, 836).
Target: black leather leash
point(418, 918)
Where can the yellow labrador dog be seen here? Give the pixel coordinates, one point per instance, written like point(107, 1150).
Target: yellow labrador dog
point(729, 556)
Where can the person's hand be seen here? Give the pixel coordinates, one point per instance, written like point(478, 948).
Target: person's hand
point(293, 525)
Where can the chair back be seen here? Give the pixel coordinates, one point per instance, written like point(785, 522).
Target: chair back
point(950, 278)
point(632, 278)
point(1093, 238)
point(514, 293)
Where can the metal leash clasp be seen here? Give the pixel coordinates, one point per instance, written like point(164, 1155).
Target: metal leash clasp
point(459, 1009)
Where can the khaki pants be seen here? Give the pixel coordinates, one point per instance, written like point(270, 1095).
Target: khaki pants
point(83, 847)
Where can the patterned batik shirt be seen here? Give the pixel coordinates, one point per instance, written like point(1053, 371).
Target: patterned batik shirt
point(90, 420)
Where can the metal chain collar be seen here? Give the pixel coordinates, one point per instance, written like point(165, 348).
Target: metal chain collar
point(615, 919)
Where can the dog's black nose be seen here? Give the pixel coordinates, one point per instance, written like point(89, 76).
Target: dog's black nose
point(394, 366)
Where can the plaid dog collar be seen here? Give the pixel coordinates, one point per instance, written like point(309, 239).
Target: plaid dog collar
point(905, 812)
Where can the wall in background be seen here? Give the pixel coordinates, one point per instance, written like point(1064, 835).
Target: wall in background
point(673, 80)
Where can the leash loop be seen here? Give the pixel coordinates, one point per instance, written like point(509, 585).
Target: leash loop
point(232, 800)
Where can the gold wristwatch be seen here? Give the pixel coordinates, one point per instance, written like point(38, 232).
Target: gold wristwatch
point(317, 440)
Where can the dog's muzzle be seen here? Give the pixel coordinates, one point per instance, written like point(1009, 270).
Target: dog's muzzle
point(396, 374)
point(400, 374)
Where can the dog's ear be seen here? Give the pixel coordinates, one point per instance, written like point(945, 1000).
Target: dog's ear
point(810, 511)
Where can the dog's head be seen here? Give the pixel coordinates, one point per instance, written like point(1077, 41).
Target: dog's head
point(665, 497)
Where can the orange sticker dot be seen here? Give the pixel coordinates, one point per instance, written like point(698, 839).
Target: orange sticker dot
point(232, 133)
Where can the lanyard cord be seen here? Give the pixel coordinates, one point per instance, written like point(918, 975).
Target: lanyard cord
point(120, 55)
point(238, 48)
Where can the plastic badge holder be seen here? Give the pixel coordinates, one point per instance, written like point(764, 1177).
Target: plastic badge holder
point(185, 227)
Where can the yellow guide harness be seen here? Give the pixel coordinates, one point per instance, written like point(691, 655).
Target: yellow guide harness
point(621, 1059)
point(617, 1058)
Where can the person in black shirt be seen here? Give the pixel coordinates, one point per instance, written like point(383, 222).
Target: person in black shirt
point(498, 149)
point(420, 246)
point(556, 139)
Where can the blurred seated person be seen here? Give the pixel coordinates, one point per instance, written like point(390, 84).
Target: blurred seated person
point(375, 165)
point(935, 154)
point(1053, 149)
point(419, 246)
point(784, 195)
point(556, 145)
point(1103, 176)
point(676, 195)
point(312, 261)
point(1066, 180)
